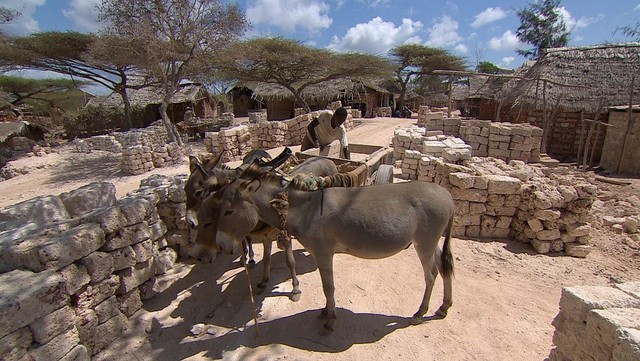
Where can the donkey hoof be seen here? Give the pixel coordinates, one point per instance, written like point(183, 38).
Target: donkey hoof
point(441, 312)
point(415, 320)
point(295, 296)
point(251, 264)
point(262, 285)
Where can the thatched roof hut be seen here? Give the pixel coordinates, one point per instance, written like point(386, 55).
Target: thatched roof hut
point(280, 102)
point(580, 77)
point(192, 92)
point(192, 95)
point(328, 90)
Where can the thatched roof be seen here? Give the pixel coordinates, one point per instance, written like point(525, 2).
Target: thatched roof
point(599, 72)
point(153, 95)
point(331, 89)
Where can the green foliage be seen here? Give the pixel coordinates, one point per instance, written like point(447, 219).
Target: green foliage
point(46, 90)
point(97, 120)
point(415, 64)
point(541, 26)
point(487, 67)
point(294, 65)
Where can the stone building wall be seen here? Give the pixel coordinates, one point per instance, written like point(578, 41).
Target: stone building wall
point(614, 152)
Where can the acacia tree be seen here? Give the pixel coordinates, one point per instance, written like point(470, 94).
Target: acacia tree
point(172, 40)
point(415, 63)
point(541, 26)
point(295, 66)
point(21, 89)
point(75, 54)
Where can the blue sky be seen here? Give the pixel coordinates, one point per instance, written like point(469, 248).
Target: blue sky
point(476, 30)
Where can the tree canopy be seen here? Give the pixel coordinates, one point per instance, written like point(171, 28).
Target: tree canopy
point(487, 67)
point(295, 66)
point(172, 40)
point(541, 26)
point(75, 54)
point(415, 64)
point(21, 89)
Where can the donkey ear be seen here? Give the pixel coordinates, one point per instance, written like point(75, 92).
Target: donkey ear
point(252, 186)
point(193, 163)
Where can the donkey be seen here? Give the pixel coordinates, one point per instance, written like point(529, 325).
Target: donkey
point(209, 212)
point(369, 222)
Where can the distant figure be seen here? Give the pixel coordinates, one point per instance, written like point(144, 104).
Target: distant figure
point(188, 116)
point(326, 128)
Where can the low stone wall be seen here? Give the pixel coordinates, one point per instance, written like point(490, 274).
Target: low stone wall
point(107, 143)
point(382, 112)
point(142, 149)
point(438, 121)
point(512, 201)
point(597, 323)
point(236, 142)
point(504, 141)
point(75, 266)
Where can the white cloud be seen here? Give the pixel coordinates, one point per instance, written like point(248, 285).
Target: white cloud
point(373, 3)
point(637, 8)
point(508, 41)
point(290, 14)
point(25, 24)
point(488, 16)
point(444, 33)
point(507, 60)
point(83, 14)
point(461, 49)
point(377, 36)
point(583, 22)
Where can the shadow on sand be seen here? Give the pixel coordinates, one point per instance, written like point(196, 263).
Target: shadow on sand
point(97, 165)
point(218, 296)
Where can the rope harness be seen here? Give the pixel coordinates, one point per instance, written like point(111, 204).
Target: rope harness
point(280, 204)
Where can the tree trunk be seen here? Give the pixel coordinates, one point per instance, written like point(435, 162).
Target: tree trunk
point(174, 136)
point(127, 125)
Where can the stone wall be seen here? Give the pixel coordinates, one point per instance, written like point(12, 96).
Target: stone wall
point(615, 154)
point(381, 112)
point(75, 266)
point(514, 200)
point(598, 323)
point(505, 141)
point(236, 142)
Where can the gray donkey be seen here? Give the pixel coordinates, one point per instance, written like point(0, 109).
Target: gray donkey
point(370, 222)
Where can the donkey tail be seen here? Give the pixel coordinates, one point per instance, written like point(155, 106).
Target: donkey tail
point(446, 256)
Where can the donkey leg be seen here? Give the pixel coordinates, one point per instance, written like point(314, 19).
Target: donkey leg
point(266, 260)
point(252, 261)
point(427, 260)
point(447, 283)
point(291, 263)
point(325, 267)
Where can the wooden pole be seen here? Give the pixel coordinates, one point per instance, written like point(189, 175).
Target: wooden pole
point(545, 130)
point(450, 96)
point(549, 123)
point(629, 123)
point(590, 134)
point(582, 130)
